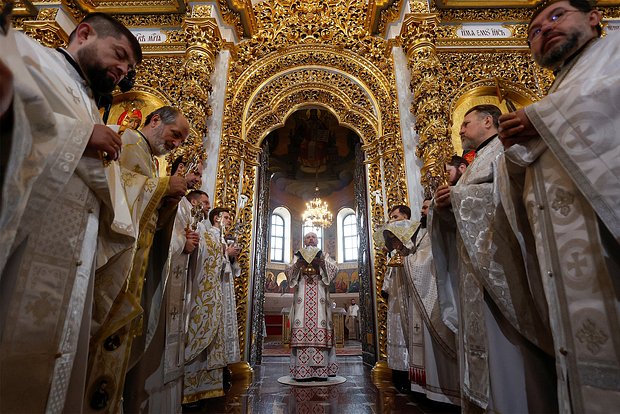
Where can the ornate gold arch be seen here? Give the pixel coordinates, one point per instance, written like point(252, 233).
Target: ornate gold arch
point(356, 84)
point(342, 95)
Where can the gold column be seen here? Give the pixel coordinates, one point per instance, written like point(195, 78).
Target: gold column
point(203, 44)
point(250, 156)
point(391, 148)
point(418, 35)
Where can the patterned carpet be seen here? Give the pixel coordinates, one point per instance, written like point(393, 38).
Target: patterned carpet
point(275, 348)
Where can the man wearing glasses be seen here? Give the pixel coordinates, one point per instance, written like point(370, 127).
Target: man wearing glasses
point(564, 150)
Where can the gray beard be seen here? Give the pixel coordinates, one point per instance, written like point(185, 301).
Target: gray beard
point(159, 149)
point(158, 144)
point(467, 144)
point(555, 57)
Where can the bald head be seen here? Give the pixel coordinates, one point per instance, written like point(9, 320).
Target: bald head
point(311, 239)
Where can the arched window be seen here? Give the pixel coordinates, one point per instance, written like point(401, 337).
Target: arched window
point(319, 234)
point(348, 245)
point(280, 242)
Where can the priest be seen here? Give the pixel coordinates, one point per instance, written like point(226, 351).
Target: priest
point(54, 186)
point(562, 194)
point(313, 351)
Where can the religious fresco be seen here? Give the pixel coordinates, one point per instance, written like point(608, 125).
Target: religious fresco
point(345, 282)
point(311, 148)
point(277, 284)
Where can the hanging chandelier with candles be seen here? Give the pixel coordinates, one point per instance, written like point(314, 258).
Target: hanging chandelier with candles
point(317, 212)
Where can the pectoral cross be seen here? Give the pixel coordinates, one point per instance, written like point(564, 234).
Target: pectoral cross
point(416, 327)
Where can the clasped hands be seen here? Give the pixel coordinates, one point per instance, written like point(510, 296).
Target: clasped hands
point(515, 127)
point(232, 250)
point(442, 196)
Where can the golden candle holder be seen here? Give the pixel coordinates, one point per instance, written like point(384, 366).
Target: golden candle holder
point(397, 260)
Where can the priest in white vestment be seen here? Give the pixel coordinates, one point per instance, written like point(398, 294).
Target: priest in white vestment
point(562, 194)
point(313, 348)
point(395, 291)
point(205, 350)
point(155, 383)
point(120, 311)
point(352, 321)
point(504, 340)
point(433, 364)
point(229, 271)
point(53, 189)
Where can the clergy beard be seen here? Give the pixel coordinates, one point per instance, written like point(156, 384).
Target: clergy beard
point(457, 177)
point(98, 78)
point(558, 54)
point(467, 144)
point(158, 144)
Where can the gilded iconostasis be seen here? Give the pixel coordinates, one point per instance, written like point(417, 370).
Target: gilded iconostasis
point(312, 79)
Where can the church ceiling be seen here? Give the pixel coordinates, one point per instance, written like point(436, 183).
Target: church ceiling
point(311, 147)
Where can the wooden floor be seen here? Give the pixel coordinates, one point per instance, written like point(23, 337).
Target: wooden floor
point(265, 395)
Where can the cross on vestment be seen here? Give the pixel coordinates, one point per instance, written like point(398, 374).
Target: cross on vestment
point(416, 327)
point(174, 312)
point(576, 262)
point(177, 271)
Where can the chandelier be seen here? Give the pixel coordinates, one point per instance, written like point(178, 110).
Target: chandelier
point(317, 211)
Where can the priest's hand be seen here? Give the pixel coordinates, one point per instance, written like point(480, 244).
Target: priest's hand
point(442, 197)
point(515, 127)
point(103, 139)
point(177, 186)
point(233, 250)
point(191, 241)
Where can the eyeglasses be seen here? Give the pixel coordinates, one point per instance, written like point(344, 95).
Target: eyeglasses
point(554, 18)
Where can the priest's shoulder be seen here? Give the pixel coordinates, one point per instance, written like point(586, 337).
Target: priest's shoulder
point(130, 137)
point(27, 46)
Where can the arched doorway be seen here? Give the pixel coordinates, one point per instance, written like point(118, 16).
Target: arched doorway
point(311, 148)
